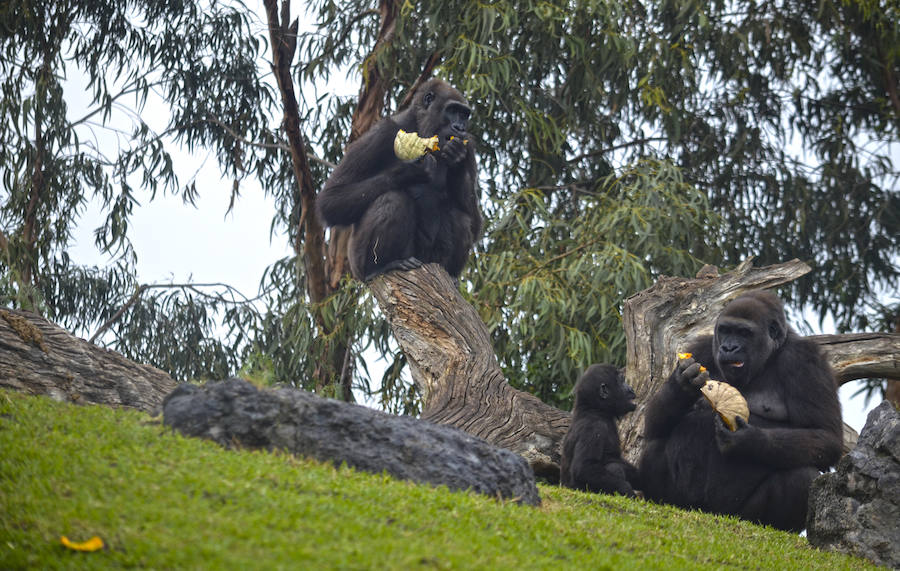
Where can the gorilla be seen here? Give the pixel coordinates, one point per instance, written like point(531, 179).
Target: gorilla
point(407, 213)
point(762, 471)
point(591, 456)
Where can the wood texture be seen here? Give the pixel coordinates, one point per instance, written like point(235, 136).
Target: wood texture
point(39, 357)
point(453, 364)
point(862, 355)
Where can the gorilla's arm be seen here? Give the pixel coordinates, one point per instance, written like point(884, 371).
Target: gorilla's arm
point(468, 197)
point(368, 170)
point(679, 393)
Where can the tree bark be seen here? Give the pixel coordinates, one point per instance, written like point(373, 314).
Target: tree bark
point(862, 355)
point(39, 357)
point(454, 366)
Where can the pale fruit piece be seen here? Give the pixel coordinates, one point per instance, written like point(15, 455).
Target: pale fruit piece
point(685, 355)
point(727, 401)
point(410, 146)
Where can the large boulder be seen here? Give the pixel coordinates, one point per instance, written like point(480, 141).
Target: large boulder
point(856, 508)
point(235, 411)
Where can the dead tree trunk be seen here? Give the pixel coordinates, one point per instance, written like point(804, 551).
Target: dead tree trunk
point(454, 366)
point(39, 357)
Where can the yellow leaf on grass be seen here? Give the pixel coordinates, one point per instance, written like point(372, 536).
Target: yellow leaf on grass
point(92, 544)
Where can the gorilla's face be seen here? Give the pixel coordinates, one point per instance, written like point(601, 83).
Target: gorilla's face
point(441, 110)
point(748, 332)
point(602, 388)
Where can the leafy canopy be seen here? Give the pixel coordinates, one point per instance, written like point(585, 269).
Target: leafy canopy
point(618, 141)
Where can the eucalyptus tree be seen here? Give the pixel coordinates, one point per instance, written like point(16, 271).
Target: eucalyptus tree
point(622, 140)
point(76, 79)
point(618, 141)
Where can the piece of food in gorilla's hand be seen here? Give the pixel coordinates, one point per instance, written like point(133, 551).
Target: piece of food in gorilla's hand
point(410, 146)
point(727, 401)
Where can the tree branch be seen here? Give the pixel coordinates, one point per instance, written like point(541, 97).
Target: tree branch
point(862, 355)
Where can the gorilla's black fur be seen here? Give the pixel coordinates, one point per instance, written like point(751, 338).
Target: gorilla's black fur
point(405, 213)
point(591, 455)
point(763, 470)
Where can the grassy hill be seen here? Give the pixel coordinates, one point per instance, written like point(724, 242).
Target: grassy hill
point(159, 500)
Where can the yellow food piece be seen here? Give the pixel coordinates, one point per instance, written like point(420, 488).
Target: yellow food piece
point(685, 355)
point(92, 544)
point(727, 401)
point(410, 146)
point(702, 368)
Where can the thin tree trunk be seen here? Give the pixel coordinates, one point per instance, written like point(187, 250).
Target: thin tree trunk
point(309, 236)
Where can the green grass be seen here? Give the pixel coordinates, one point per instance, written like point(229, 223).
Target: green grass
point(161, 501)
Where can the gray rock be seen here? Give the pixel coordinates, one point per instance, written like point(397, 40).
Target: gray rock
point(235, 411)
point(856, 508)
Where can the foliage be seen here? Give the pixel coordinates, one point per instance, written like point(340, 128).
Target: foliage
point(162, 501)
point(618, 141)
point(57, 152)
point(782, 115)
point(550, 285)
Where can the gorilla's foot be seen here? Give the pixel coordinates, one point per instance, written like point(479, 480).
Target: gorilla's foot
point(405, 265)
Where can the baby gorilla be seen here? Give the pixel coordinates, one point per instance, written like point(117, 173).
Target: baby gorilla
point(591, 454)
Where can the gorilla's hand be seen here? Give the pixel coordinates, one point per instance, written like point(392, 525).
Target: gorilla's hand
point(745, 437)
point(689, 376)
point(453, 151)
point(435, 170)
point(409, 172)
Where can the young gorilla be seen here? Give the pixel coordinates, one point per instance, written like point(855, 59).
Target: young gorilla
point(591, 455)
point(762, 471)
point(406, 213)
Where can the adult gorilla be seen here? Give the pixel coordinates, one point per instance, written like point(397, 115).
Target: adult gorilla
point(406, 213)
point(762, 471)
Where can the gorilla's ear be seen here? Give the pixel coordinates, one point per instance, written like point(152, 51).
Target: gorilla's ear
point(604, 391)
point(776, 332)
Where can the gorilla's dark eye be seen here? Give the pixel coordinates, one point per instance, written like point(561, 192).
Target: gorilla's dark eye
point(429, 97)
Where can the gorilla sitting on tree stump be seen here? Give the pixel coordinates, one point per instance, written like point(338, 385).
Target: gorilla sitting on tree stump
point(762, 470)
point(408, 212)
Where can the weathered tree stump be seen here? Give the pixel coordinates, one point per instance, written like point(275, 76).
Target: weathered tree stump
point(39, 357)
point(454, 366)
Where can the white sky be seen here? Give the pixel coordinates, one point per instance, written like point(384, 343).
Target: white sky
point(176, 243)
